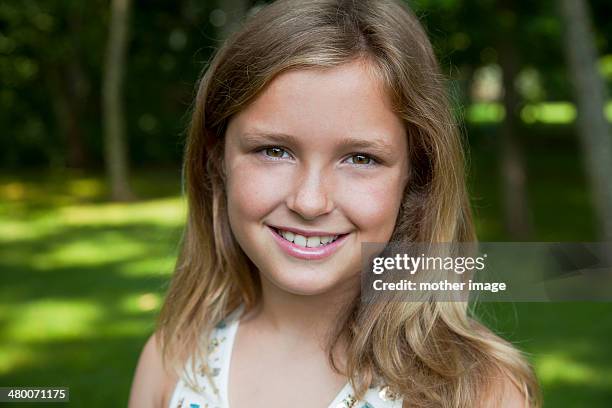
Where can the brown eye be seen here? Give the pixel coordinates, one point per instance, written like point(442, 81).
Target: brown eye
point(275, 152)
point(361, 159)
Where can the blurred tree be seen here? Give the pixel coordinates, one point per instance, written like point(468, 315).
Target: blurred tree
point(116, 155)
point(476, 34)
point(593, 128)
point(46, 82)
point(517, 217)
point(69, 87)
point(51, 71)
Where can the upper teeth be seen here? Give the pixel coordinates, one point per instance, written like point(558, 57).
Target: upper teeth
point(309, 242)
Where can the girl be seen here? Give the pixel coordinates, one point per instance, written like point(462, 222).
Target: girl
point(320, 125)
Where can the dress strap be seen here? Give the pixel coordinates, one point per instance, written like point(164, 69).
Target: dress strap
point(207, 387)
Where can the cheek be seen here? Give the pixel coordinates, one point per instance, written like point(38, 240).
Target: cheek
point(372, 205)
point(252, 191)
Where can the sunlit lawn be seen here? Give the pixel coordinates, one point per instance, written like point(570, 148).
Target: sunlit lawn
point(82, 279)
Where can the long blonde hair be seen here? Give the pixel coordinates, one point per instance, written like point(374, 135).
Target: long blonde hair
point(431, 353)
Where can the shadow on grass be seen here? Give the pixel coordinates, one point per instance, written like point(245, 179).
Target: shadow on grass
point(97, 370)
point(569, 348)
point(80, 320)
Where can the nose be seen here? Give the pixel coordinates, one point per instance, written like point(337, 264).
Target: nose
point(310, 197)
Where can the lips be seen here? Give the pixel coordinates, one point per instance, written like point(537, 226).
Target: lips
point(307, 247)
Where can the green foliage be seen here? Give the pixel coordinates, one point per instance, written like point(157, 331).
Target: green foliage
point(51, 62)
point(52, 55)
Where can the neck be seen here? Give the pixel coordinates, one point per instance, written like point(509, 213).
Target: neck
point(307, 318)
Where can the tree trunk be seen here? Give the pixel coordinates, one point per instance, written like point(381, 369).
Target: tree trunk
point(67, 114)
point(517, 215)
point(593, 129)
point(116, 154)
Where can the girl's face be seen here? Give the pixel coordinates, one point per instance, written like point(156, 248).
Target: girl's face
point(318, 156)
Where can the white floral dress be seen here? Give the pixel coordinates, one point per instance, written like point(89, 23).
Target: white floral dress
point(213, 393)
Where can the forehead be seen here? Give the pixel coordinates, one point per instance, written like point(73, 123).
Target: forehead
point(342, 101)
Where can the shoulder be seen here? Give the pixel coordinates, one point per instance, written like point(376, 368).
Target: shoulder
point(153, 383)
point(504, 392)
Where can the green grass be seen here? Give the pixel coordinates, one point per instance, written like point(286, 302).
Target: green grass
point(83, 279)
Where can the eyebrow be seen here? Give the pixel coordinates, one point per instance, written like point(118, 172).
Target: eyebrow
point(373, 145)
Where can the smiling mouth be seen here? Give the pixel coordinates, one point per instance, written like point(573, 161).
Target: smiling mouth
point(306, 242)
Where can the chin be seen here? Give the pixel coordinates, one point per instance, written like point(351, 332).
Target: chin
point(305, 281)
